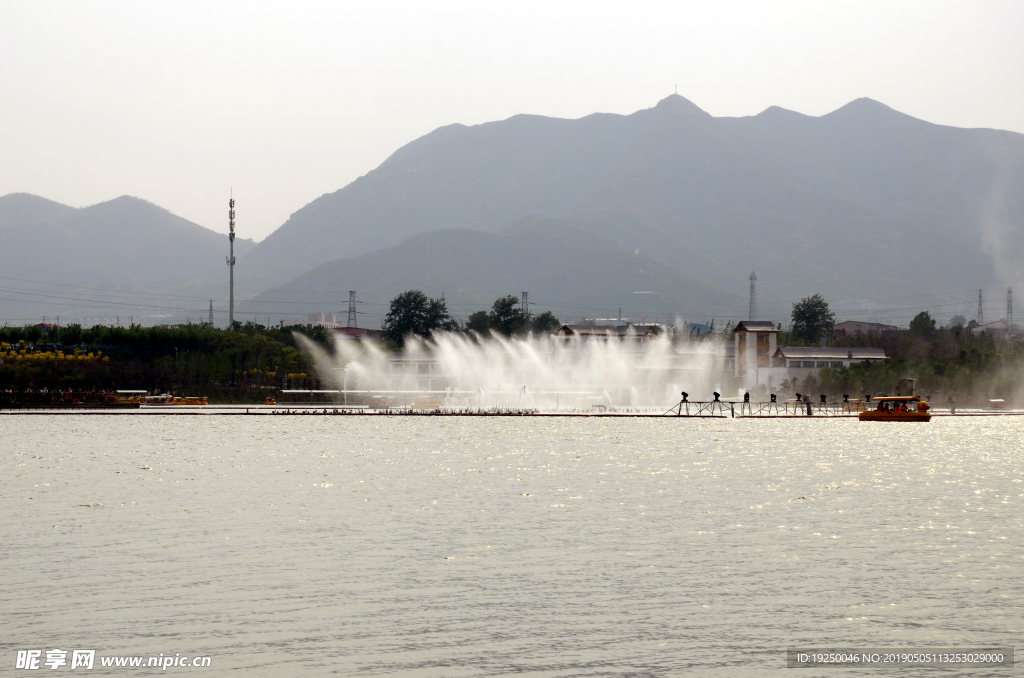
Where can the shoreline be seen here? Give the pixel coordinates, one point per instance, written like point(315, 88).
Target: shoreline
point(298, 410)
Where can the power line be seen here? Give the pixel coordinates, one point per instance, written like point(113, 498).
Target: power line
point(101, 303)
point(103, 289)
point(106, 297)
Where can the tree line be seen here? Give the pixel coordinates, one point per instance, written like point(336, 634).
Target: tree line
point(194, 359)
point(948, 362)
point(253, 359)
point(414, 314)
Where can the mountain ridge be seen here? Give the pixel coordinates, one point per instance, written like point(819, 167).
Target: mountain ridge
point(54, 254)
point(859, 203)
point(565, 267)
point(691, 190)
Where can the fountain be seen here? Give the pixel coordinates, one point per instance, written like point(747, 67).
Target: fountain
point(538, 373)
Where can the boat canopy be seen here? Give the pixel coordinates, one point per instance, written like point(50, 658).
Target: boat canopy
point(881, 399)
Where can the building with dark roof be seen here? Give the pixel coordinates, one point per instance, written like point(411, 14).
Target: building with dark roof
point(754, 342)
point(855, 328)
point(632, 333)
point(816, 357)
point(356, 333)
point(759, 361)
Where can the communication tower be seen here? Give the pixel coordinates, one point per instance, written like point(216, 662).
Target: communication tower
point(753, 296)
point(1009, 308)
point(211, 312)
point(352, 309)
point(981, 315)
point(526, 304)
point(231, 262)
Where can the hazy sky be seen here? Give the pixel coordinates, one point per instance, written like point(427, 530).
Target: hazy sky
point(178, 102)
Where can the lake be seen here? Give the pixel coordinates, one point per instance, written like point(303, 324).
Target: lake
point(432, 546)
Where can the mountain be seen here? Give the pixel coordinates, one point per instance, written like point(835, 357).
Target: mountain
point(127, 237)
point(56, 257)
point(862, 202)
point(566, 268)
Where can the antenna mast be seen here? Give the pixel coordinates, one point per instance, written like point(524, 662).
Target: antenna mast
point(981, 315)
point(525, 304)
point(1009, 309)
point(231, 262)
point(211, 312)
point(753, 296)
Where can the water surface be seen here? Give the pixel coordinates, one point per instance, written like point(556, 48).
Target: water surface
point(433, 546)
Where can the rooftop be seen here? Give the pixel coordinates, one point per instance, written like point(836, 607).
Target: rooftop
point(755, 326)
point(604, 330)
point(838, 353)
point(864, 324)
point(997, 327)
point(357, 331)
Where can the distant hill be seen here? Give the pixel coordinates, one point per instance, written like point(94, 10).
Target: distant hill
point(124, 244)
point(565, 268)
point(864, 201)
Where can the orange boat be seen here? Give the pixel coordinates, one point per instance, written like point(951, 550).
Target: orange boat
point(898, 408)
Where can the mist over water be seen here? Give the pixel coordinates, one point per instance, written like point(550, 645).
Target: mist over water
point(545, 373)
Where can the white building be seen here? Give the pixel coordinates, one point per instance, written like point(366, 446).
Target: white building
point(759, 361)
point(998, 330)
point(635, 334)
point(799, 362)
point(754, 342)
point(321, 320)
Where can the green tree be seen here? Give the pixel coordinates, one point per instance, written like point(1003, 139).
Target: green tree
point(812, 319)
point(545, 322)
point(412, 313)
point(506, 317)
point(224, 365)
point(478, 322)
point(923, 326)
point(72, 334)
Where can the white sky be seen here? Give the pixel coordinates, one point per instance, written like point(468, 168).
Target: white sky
point(178, 102)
